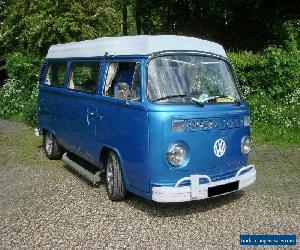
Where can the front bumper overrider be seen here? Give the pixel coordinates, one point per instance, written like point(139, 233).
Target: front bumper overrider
point(195, 191)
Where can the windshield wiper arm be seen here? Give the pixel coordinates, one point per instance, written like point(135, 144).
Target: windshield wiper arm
point(201, 104)
point(214, 98)
point(238, 102)
point(169, 97)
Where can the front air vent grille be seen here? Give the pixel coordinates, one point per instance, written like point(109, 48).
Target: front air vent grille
point(213, 123)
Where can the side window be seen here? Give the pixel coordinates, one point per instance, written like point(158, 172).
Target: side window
point(84, 76)
point(56, 73)
point(123, 80)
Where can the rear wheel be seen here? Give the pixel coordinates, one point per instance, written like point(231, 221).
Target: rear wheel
point(52, 149)
point(114, 181)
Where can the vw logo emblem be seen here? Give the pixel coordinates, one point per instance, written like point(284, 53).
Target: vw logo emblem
point(219, 147)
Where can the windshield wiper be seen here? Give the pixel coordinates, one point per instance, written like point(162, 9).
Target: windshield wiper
point(177, 96)
point(231, 98)
point(169, 97)
point(199, 101)
point(215, 98)
point(201, 104)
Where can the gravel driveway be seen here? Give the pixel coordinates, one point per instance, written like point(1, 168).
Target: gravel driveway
point(45, 205)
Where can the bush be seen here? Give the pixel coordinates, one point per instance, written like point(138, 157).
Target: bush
point(30, 109)
point(275, 71)
point(281, 72)
point(270, 83)
point(247, 67)
point(283, 113)
point(18, 94)
point(12, 98)
point(23, 67)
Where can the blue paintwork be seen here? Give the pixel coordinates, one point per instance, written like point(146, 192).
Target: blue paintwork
point(199, 144)
point(140, 131)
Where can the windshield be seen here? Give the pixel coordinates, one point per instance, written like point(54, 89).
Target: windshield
point(191, 78)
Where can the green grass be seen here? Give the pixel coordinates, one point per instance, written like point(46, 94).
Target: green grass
point(25, 148)
point(268, 134)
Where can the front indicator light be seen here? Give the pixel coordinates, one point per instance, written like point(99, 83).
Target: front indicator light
point(178, 126)
point(245, 145)
point(246, 121)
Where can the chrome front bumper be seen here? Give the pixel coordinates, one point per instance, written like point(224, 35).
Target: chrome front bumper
point(197, 191)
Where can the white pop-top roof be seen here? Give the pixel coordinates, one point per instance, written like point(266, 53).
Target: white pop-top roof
point(133, 45)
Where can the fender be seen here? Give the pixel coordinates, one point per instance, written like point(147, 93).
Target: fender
point(129, 187)
point(115, 150)
point(48, 128)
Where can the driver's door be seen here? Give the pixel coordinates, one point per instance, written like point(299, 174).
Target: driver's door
point(124, 126)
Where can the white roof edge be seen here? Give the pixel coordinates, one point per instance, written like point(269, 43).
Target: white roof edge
point(133, 45)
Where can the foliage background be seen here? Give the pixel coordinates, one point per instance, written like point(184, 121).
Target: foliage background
point(261, 35)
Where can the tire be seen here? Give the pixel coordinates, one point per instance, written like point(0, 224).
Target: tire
point(52, 149)
point(114, 181)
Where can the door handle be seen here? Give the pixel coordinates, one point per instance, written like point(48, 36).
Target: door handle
point(92, 114)
point(89, 113)
point(89, 116)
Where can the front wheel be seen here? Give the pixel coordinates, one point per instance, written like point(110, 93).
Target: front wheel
point(114, 181)
point(52, 149)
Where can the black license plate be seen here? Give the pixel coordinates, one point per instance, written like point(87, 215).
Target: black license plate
point(223, 189)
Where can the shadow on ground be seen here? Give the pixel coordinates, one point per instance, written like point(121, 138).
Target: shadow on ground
point(166, 209)
point(183, 208)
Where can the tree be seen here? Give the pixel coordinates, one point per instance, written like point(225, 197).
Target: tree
point(35, 25)
point(125, 24)
point(237, 24)
point(148, 16)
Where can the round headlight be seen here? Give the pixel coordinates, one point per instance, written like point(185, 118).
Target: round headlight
point(245, 145)
point(176, 154)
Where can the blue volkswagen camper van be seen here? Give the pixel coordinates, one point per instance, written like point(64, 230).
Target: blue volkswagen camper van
point(159, 116)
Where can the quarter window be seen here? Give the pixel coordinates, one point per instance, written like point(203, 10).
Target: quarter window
point(84, 76)
point(56, 73)
point(123, 80)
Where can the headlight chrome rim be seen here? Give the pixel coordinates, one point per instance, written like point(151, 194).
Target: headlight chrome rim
point(176, 154)
point(246, 145)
